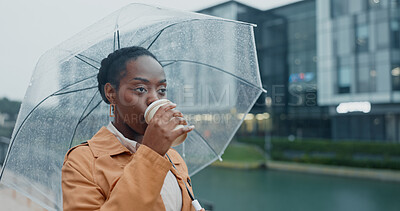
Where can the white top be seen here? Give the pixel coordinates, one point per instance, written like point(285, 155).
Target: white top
point(170, 191)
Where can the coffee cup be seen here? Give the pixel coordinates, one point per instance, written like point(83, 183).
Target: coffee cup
point(152, 109)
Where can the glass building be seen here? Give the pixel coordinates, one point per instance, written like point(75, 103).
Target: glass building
point(359, 65)
point(287, 53)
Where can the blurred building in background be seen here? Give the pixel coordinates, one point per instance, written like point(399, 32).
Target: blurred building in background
point(331, 68)
point(359, 62)
point(287, 53)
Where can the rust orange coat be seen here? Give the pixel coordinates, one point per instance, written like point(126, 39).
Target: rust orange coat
point(103, 175)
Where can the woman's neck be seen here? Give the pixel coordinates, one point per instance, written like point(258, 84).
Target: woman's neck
point(125, 130)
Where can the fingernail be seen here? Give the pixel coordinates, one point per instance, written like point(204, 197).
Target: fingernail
point(191, 126)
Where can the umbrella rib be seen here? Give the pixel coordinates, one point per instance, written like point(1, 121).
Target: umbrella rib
point(168, 64)
point(83, 118)
point(116, 39)
point(114, 42)
point(84, 79)
point(119, 46)
point(159, 33)
point(27, 116)
point(196, 19)
point(76, 90)
point(90, 112)
point(17, 132)
point(216, 68)
point(209, 146)
point(87, 62)
point(89, 58)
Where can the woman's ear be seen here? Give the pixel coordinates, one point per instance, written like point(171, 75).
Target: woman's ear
point(110, 92)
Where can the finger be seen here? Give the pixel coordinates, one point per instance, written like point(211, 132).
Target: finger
point(175, 122)
point(167, 107)
point(169, 114)
point(160, 111)
point(183, 130)
point(178, 121)
point(176, 113)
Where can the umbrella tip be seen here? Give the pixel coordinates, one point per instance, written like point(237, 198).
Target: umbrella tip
point(219, 158)
point(264, 90)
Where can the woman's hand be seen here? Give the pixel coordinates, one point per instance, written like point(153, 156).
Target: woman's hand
point(160, 132)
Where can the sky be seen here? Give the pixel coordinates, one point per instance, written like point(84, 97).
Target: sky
point(30, 28)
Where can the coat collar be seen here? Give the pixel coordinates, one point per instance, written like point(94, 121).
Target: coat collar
point(105, 143)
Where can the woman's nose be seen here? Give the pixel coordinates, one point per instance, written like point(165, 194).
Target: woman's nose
point(152, 97)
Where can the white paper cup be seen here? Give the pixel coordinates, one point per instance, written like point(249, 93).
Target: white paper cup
point(152, 109)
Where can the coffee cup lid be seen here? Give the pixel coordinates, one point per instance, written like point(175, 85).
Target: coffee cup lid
point(153, 104)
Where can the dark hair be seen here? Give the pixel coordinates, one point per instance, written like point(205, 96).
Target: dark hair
point(113, 68)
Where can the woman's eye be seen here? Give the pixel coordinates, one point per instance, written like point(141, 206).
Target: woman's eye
point(162, 91)
point(141, 90)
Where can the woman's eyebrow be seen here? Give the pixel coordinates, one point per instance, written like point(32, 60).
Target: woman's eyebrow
point(147, 81)
point(140, 79)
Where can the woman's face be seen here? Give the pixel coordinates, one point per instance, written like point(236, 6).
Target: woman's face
point(143, 83)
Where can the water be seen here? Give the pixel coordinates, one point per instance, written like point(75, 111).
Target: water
point(241, 190)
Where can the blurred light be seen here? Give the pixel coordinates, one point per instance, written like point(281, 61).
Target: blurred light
point(343, 108)
point(300, 77)
point(314, 59)
point(197, 117)
point(240, 116)
point(376, 1)
point(372, 73)
point(207, 117)
point(262, 116)
point(396, 71)
point(268, 101)
point(249, 117)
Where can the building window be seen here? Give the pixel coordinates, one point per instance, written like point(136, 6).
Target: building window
point(395, 77)
point(362, 37)
point(395, 33)
point(339, 8)
point(394, 3)
point(343, 77)
point(362, 82)
point(375, 4)
point(382, 34)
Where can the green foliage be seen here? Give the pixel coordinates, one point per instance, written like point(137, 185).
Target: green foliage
point(345, 153)
point(9, 107)
point(6, 132)
point(243, 153)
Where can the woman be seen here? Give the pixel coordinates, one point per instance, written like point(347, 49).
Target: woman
point(128, 164)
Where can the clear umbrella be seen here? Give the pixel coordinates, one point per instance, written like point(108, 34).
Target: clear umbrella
point(212, 73)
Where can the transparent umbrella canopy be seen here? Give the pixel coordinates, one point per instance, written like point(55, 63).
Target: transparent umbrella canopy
point(212, 74)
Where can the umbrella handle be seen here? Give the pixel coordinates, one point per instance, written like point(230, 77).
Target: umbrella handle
point(196, 205)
